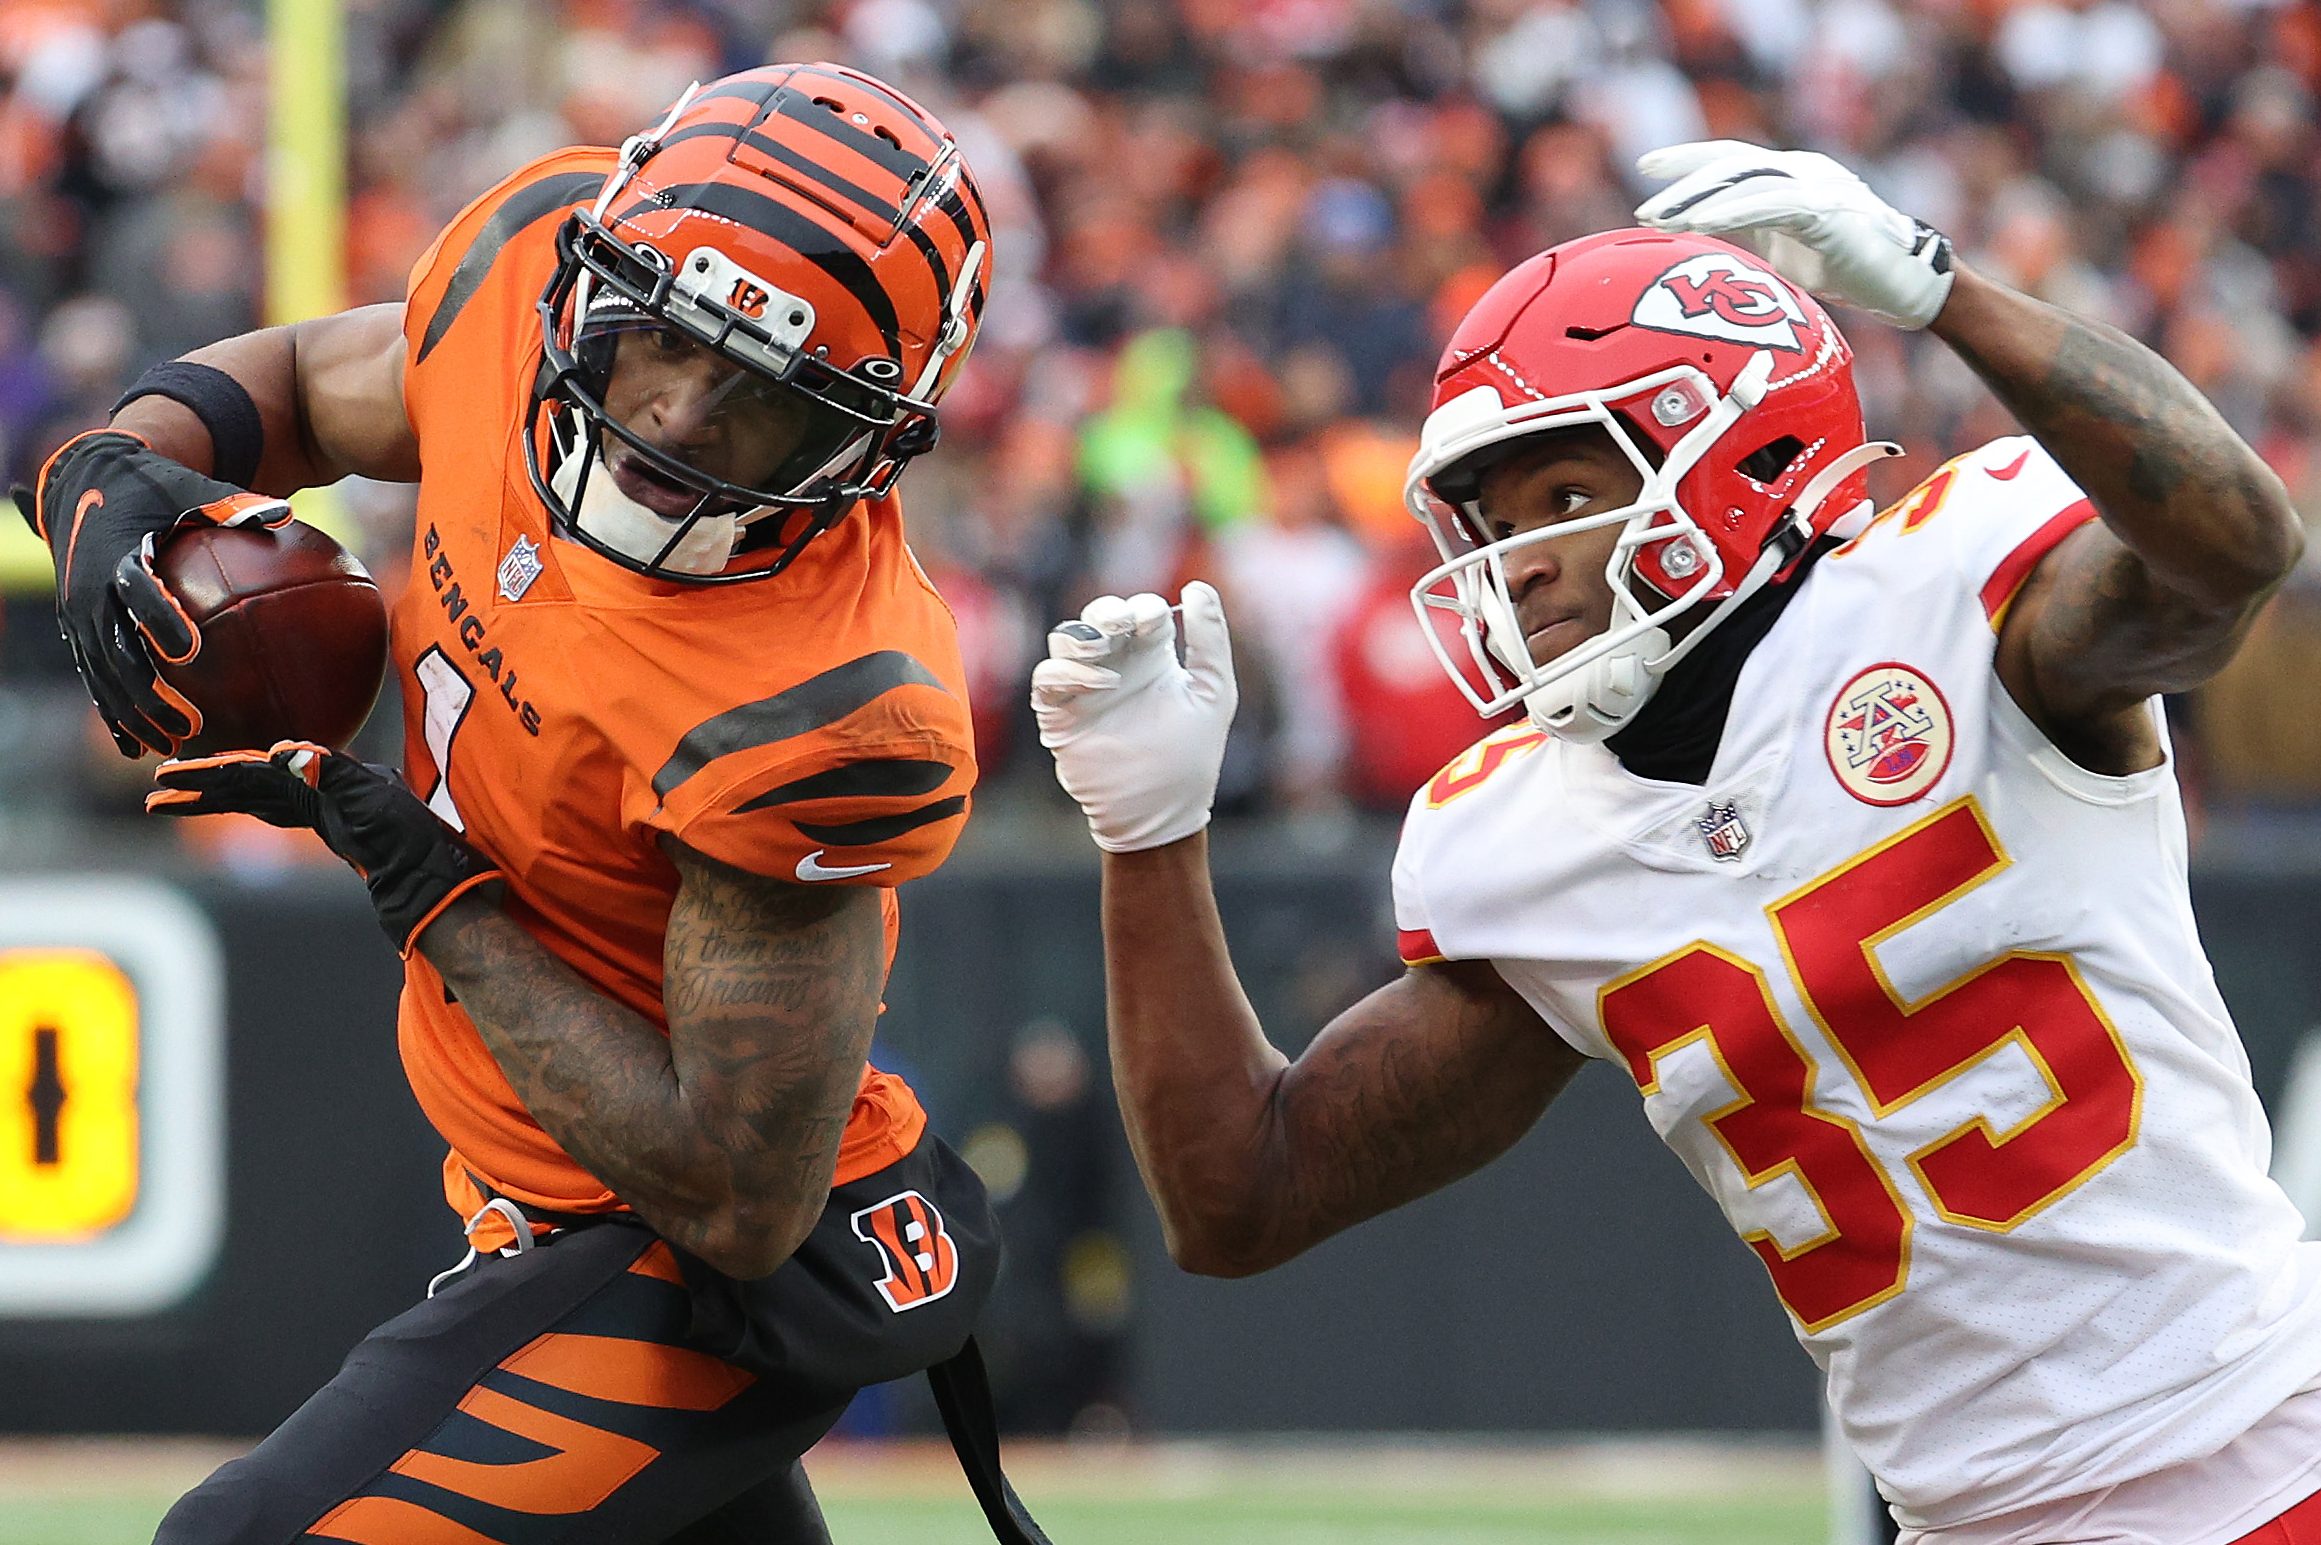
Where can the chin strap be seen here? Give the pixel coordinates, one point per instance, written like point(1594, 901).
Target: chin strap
point(1596, 701)
point(1593, 702)
point(1599, 699)
point(1825, 483)
point(954, 334)
point(703, 546)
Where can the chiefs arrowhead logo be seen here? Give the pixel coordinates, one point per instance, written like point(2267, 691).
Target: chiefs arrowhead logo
point(922, 1260)
point(1720, 295)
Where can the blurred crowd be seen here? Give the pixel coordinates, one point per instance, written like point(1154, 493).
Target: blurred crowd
point(1231, 237)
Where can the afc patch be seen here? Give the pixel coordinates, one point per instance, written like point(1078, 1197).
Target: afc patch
point(1889, 735)
point(922, 1260)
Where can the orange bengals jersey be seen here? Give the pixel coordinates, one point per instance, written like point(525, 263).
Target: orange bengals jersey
point(568, 714)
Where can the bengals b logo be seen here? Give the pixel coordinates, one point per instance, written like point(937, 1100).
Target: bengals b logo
point(922, 1262)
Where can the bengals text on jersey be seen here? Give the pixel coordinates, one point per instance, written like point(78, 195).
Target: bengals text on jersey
point(568, 714)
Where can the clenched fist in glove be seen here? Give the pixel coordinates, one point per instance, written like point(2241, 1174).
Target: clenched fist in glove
point(1809, 217)
point(104, 500)
point(1138, 737)
point(414, 865)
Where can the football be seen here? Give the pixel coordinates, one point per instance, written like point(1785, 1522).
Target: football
point(293, 635)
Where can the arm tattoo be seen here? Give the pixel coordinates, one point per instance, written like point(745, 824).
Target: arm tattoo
point(2196, 529)
point(2131, 431)
point(2181, 490)
point(726, 1130)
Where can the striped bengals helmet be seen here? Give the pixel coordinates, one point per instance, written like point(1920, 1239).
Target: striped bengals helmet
point(749, 331)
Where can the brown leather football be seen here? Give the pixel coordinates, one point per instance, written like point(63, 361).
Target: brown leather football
point(293, 635)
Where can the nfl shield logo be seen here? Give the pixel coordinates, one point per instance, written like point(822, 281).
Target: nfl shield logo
point(1722, 830)
point(519, 568)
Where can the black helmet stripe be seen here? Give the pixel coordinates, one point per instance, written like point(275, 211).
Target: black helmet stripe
point(828, 180)
point(742, 88)
point(815, 243)
point(871, 85)
point(820, 175)
point(801, 109)
point(940, 269)
point(956, 207)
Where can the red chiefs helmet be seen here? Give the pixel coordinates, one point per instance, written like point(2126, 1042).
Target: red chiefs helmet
point(806, 245)
point(1730, 390)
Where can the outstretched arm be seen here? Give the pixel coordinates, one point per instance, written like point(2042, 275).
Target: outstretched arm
point(1253, 1158)
point(2196, 530)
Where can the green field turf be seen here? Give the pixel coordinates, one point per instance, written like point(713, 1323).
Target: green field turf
point(1157, 1495)
point(1222, 1520)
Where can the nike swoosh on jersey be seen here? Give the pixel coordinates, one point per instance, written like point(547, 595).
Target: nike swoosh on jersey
point(2008, 471)
point(808, 869)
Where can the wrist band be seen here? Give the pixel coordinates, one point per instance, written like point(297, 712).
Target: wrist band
point(224, 406)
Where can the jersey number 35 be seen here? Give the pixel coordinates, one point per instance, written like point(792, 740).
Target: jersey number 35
point(1897, 1051)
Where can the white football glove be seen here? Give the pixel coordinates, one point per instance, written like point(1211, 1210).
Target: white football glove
point(1809, 217)
point(1138, 737)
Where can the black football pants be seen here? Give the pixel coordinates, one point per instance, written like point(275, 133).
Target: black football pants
point(604, 1389)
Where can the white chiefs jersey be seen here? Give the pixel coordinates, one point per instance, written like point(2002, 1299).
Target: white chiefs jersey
point(1921, 1004)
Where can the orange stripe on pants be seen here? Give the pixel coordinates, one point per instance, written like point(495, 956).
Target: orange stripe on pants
point(638, 1373)
point(656, 1261)
point(393, 1521)
point(590, 1465)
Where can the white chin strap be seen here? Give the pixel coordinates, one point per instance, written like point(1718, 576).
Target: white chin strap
point(1592, 702)
point(628, 528)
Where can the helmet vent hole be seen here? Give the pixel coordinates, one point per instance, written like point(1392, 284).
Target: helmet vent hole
point(834, 106)
point(1767, 462)
point(1591, 334)
point(887, 134)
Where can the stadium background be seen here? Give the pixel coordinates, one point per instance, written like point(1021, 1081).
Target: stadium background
point(1231, 236)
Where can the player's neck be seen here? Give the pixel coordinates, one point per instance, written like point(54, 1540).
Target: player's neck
point(1674, 739)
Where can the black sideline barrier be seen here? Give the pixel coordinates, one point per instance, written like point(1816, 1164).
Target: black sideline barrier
point(1582, 1283)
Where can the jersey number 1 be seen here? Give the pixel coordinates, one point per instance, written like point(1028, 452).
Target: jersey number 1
point(446, 696)
point(1897, 1051)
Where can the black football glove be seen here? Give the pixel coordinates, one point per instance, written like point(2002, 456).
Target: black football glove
point(414, 864)
point(105, 499)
